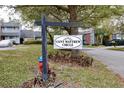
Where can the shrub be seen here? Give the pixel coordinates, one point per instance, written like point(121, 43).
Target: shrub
point(32, 42)
point(29, 42)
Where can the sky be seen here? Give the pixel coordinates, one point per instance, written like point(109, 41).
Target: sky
point(8, 14)
point(5, 14)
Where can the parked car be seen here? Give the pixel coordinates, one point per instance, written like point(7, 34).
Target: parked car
point(6, 43)
point(116, 41)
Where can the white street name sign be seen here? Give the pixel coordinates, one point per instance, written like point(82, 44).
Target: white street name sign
point(68, 42)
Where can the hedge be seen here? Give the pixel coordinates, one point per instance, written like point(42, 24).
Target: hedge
point(29, 42)
point(32, 42)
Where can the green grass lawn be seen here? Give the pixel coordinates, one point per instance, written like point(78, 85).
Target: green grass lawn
point(117, 49)
point(17, 66)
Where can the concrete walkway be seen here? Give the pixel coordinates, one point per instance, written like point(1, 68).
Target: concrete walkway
point(113, 59)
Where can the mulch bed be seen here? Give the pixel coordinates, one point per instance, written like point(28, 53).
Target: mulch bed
point(66, 58)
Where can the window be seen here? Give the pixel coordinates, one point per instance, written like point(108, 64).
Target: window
point(2, 27)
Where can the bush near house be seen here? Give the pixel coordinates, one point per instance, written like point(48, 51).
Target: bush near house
point(32, 42)
point(29, 42)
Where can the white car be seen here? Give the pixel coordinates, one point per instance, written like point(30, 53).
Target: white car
point(6, 43)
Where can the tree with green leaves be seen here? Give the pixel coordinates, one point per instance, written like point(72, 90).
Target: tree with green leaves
point(89, 16)
point(120, 24)
point(104, 31)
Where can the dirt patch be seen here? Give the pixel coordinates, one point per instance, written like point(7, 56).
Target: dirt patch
point(48, 84)
point(38, 81)
point(52, 82)
point(120, 77)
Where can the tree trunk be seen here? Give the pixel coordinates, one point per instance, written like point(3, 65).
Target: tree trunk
point(98, 40)
point(0, 32)
point(0, 36)
point(74, 31)
point(101, 39)
point(51, 38)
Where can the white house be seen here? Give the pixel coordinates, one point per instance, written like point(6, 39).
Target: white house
point(119, 35)
point(10, 30)
point(30, 34)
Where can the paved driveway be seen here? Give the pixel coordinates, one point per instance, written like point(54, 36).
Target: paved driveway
point(113, 59)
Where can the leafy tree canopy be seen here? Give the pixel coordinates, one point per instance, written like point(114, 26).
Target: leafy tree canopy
point(88, 15)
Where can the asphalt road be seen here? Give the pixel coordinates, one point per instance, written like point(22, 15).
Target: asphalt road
point(113, 59)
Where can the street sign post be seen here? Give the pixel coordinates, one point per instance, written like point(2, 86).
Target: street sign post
point(43, 23)
point(44, 48)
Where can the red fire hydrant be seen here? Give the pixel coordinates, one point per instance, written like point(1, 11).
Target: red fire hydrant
point(40, 68)
point(40, 65)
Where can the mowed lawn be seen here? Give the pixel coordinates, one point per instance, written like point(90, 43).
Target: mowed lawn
point(18, 66)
